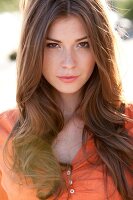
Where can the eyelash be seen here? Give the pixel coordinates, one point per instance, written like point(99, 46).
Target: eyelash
point(51, 45)
point(85, 44)
point(82, 45)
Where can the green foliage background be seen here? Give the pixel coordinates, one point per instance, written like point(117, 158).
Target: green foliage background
point(124, 7)
point(9, 5)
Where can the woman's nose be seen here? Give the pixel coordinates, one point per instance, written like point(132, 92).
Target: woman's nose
point(68, 59)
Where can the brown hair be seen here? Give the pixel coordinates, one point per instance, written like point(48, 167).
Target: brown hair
point(40, 119)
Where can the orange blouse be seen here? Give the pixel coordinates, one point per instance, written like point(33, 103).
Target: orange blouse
point(87, 181)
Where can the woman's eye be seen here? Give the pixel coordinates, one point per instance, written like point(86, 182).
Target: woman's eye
point(84, 44)
point(52, 45)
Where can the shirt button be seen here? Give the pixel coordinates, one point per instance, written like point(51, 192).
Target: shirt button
point(68, 172)
point(72, 191)
point(70, 182)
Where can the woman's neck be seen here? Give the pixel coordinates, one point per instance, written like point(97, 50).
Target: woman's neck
point(68, 103)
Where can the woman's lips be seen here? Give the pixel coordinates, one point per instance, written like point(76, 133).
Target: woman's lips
point(68, 79)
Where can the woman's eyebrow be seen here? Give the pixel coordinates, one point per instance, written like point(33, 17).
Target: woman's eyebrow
point(55, 40)
point(83, 38)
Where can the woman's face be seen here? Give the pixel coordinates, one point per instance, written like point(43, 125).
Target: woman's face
point(68, 57)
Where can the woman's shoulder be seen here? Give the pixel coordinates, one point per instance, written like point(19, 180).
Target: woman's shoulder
point(129, 114)
point(7, 121)
point(129, 110)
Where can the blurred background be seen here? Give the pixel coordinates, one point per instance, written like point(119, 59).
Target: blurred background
point(10, 25)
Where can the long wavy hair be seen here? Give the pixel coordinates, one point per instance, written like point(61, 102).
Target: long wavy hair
point(40, 118)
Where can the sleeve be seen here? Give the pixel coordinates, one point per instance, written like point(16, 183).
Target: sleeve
point(4, 131)
point(3, 194)
point(5, 128)
point(10, 187)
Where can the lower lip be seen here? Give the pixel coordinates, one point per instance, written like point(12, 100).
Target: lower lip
point(68, 79)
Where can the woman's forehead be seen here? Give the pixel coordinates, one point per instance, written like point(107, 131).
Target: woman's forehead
point(63, 25)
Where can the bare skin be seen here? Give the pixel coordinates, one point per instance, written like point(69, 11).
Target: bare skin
point(68, 53)
point(68, 141)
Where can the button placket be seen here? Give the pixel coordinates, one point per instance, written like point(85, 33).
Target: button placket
point(69, 174)
point(70, 182)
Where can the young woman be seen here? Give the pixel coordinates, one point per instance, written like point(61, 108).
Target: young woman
point(71, 134)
